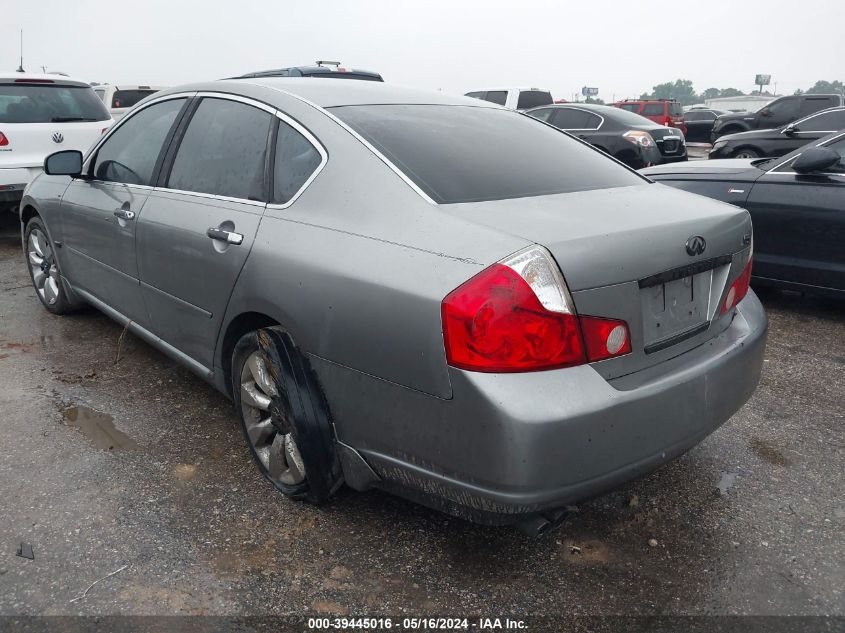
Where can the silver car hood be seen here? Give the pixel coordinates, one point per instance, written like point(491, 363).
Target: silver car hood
point(612, 236)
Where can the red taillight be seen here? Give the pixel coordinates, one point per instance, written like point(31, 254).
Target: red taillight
point(605, 338)
point(738, 289)
point(517, 316)
point(3, 140)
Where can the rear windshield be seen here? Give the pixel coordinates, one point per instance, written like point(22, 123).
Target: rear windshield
point(630, 107)
point(676, 109)
point(532, 99)
point(128, 98)
point(48, 103)
point(469, 154)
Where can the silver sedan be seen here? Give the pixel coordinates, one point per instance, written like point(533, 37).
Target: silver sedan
point(399, 289)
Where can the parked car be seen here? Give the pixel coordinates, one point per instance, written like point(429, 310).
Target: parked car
point(514, 98)
point(666, 112)
point(797, 204)
point(699, 124)
point(380, 277)
point(320, 70)
point(119, 99)
point(782, 140)
point(39, 114)
point(776, 114)
point(628, 137)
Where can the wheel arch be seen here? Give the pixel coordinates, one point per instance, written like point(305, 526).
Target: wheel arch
point(241, 324)
point(27, 212)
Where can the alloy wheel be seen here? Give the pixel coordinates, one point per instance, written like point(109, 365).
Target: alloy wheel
point(42, 265)
point(267, 428)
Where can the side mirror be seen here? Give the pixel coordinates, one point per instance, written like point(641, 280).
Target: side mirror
point(66, 163)
point(765, 112)
point(789, 130)
point(816, 159)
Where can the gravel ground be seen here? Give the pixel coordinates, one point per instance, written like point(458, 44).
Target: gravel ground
point(116, 458)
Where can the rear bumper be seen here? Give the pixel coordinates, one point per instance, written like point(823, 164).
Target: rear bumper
point(508, 445)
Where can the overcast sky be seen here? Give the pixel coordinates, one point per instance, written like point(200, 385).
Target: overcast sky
point(623, 47)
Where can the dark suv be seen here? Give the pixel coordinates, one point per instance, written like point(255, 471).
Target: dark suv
point(322, 69)
point(775, 114)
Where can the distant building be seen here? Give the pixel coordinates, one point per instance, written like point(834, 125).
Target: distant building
point(747, 103)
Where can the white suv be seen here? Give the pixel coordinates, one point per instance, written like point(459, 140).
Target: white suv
point(119, 99)
point(39, 115)
point(514, 98)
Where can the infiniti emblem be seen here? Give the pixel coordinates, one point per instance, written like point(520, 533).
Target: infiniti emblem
point(58, 137)
point(696, 245)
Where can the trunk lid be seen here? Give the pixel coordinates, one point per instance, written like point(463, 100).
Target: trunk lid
point(623, 254)
point(30, 143)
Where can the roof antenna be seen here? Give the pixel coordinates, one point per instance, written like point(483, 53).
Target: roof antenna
point(20, 68)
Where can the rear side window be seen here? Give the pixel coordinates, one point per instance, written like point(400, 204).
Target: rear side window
point(466, 154)
point(824, 122)
point(295, 160)
point(128, 98)
point(223, 151)
point(808, 106)
point(49, 103)
point(574, 119)
point(533, 98)
point(630, 107)
point(130, 154)
point(653, 109)
point(496, 96)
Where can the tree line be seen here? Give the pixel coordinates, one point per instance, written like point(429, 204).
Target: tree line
point(682, 90)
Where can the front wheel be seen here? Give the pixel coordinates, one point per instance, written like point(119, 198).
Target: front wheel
point(284, 416)
point(44, 268)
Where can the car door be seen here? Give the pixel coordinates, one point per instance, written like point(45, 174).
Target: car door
point(100, 211)
point(799, 222)
point(199, 224)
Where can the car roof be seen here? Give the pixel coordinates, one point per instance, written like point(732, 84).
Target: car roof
point(129, 87)
point(327, 94)
point(509, 88)
point(309, 70)
point(62, 80)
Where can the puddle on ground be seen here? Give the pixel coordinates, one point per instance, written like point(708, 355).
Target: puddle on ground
point(99, 428)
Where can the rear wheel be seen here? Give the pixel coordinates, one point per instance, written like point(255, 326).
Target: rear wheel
point(746, 152)
point(284, 416)
point(44, 268)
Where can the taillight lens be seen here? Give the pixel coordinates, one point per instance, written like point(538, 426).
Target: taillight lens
point(738, 289)
point(605, 338)
point(3, 140)
point(638, 137)
point(517, 315)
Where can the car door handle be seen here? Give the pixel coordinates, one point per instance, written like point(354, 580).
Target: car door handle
point(124, 214)
point(224, 236)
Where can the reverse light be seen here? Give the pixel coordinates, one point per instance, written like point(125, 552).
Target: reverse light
point(638, 137)
point(3, 140)
point(739, 288)
point(517, 315)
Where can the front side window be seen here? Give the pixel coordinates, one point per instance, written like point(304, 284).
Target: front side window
point(496, 96)
point(469, 154)
point(130, 154)
point(824, 122)
point(783, 108)
point(223, 151)
point(295, 160)
point(49, 103)
point(532, 99)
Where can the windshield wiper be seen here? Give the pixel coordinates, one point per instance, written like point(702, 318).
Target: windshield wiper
point(65, 119)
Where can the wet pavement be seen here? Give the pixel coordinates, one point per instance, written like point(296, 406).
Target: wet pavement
point(115, 458)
